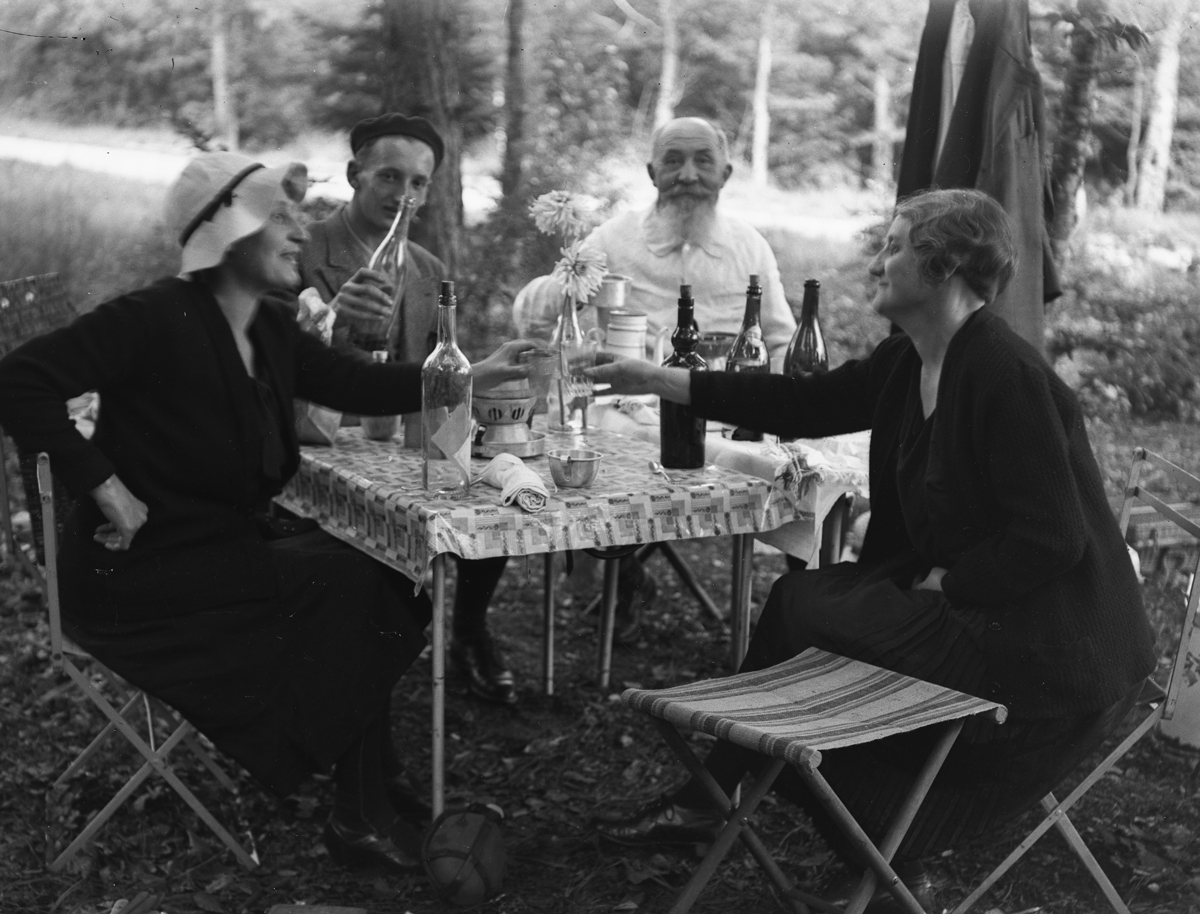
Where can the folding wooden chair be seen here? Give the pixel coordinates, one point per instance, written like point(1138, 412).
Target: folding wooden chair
point(90, 676)
point(790, 713)
point(1154, 703)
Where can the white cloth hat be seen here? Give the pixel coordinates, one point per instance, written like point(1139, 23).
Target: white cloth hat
point(222, 197)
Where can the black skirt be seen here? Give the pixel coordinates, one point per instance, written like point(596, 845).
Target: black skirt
point(993, 773)
point(284, 686)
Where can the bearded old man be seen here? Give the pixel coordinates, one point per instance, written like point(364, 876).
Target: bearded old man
point(681, 239)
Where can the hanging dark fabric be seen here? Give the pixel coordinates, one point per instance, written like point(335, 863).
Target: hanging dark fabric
point(993, 143)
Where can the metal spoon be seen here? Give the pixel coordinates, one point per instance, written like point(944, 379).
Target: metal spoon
point(656, 467)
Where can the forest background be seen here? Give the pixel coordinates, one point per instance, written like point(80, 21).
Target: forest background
point(540, 95)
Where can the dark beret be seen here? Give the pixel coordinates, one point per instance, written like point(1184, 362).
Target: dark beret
point(397, 125)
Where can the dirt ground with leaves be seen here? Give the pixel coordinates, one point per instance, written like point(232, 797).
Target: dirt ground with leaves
point(552, 763)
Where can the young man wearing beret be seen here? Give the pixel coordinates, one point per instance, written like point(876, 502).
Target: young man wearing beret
point(395, 157)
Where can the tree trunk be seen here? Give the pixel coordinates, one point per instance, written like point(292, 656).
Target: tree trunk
point(422, 39)
point(665, 109)
point(881, 143)
point(1156, 155)
point(225, 121)
point(762, 111)
point(1132, 149)
point(514, 102)
point(1075, 128)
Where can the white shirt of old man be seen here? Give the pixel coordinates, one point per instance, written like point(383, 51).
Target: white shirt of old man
point(716, 264)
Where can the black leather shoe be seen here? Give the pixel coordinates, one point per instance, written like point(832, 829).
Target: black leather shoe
point(628, 627)
point(663, 822)
point(911, 872)
point(367, 849)
point(480, 662)
point(406, 799)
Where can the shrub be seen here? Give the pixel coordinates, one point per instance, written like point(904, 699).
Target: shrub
point(1126, 334)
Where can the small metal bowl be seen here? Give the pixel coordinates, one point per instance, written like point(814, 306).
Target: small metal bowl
point(574, 467)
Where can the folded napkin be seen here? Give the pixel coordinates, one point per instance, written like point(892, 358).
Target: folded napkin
point(517, 482)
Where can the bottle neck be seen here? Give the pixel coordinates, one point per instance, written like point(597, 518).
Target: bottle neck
point(389, 254)
point(753, 316)
point(808, 309)
point(446, 330)
point(686, 337)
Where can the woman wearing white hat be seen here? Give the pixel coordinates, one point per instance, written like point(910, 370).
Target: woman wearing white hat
point(278, 642)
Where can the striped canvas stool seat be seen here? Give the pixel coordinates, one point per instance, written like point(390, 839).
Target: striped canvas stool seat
point(789, 714)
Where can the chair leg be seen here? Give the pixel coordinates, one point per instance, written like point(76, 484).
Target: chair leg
point(737, 827)
point(1077, 844)
point(80, 760)
point(879, 858)
point(155, 761)
point(1059, 810)
point(98, 820)
point(192, 741)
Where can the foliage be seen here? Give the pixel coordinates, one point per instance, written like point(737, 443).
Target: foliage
point(552, 763)
point(1126, 334)
point(105, 236)
point(354, 59)
point(141, 62)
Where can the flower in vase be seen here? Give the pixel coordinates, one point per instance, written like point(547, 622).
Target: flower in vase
point(562, 211)
point(580, 272)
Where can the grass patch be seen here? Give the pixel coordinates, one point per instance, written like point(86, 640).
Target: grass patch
point(105, 234)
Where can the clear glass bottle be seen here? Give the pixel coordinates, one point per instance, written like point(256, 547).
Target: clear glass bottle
point(446, 408)
point(571, 390)
point(379, 428)
point(388, 259)
point(806, 352)
point(681, 431)
point(749, 350)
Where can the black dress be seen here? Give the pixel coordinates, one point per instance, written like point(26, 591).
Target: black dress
point(283, 686)
point(871, 613)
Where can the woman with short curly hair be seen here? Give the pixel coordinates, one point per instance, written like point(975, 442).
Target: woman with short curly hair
point(992, 563)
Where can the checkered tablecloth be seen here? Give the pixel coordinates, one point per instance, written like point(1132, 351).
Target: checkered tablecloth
point(369, 493)
point(817, 472)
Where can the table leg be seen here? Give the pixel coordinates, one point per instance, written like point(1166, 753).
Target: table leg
point(689, 578)
point(833, 532)
point(548, 625)
point(608, 616)
point(739, 610)
point(438, 762)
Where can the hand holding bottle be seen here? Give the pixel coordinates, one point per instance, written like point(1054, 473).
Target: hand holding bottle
point(366, 296)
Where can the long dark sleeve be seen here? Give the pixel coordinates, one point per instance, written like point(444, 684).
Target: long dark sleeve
point(836, 403)
point(102, 347)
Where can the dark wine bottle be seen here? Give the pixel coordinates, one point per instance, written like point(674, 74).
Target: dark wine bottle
point(681, 431)
point(806, 352)
point(749, 350)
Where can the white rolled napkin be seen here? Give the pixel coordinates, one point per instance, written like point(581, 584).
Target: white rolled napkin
point(517, 482)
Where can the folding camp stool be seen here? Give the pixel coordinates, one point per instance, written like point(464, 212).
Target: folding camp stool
point(790, 713)
point(80, 667)
point(1155, 704)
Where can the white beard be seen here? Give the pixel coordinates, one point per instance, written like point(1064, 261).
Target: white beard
point(687, 218)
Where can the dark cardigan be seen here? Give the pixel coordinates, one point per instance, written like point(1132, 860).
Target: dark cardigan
point(1018, 507)
point(178, 426)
